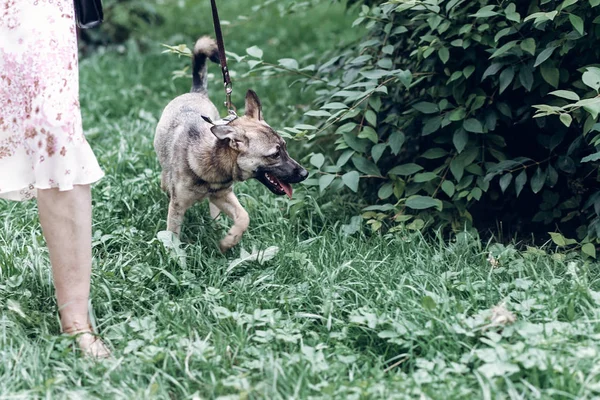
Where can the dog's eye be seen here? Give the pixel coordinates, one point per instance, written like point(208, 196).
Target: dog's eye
point(275, 156)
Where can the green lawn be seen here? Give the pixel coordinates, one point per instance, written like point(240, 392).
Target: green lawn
point(317, 313)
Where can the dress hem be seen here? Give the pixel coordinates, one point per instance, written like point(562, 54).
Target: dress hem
point(16, 195)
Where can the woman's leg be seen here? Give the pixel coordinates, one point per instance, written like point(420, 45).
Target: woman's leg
point(66, 219)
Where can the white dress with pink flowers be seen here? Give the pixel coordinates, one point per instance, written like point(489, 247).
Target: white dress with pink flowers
point(42, 144)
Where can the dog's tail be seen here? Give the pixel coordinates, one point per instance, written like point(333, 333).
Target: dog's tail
point(205, 48)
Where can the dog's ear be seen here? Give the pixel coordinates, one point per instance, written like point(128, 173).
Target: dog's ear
point(253, 107)
point(229, 133)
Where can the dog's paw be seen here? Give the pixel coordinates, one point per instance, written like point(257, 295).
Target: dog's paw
point(227, 243)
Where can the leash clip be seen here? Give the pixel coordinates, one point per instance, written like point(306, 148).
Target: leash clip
point(228, 104)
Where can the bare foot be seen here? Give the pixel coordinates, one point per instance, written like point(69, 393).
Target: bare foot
point(90, 344)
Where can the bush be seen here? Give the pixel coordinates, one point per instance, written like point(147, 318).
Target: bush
point(433, 112)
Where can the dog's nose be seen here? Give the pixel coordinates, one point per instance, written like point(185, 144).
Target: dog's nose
point(303, 173)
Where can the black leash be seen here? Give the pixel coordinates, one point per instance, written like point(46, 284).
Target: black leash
point(222, 58)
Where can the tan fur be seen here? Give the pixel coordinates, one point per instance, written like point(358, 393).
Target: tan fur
point(200, 160)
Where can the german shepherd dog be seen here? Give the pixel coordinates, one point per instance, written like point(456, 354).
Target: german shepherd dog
point(201, 159)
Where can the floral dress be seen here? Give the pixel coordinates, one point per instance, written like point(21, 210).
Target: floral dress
point(42, 144)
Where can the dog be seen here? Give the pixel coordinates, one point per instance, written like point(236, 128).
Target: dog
point(201, 159)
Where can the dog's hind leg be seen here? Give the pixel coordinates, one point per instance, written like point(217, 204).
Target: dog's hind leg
point(230, 205)
point(163, 181)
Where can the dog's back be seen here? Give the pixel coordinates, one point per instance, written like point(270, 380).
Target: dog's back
point(181, 119)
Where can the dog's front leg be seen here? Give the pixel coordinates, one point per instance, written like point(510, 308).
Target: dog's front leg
point(230, 205)
point(214, 210)
point(178, 205)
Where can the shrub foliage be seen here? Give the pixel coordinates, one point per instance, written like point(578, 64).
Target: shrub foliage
point(434, 112)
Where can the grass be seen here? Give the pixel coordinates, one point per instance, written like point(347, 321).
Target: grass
point(326, 315)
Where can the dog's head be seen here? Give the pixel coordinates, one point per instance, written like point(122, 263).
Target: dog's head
point(262, 153)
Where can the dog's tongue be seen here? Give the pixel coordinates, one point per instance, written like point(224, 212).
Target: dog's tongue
point(287, 188)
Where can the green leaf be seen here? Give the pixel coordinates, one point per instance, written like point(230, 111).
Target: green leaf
point(405, 169)
point(552, 177)
point(544, 55)
point(591, 157)
point(385, 63)
point(565, 94)
point(520, 182)
point(347, 127)
point(288, 63)
point(591, 77)
point(317, 160)
point(550, 74)
point(460, 139)
point(254, 52)
point(473, 125)
point(405, 77)
point(417, 202)
point(558, 239)
point(432, 125)
point(377, 151)
point(424, 177)
point(541, 17)
point(457, 167)
point(371, 117)
point(365, 166)
point(457, 114)
point(503, 32)
point(350, 179)
point(567, 3)
point(526, 77)
point(485, 12)
point(538, 179)
point(385, 191)
point(396, 141)
point(476, 193)
point(416, 225)
point(318, 113)
point(448, 188)
point(566, 119)
point(594, 3)
point(513, 16)
point(505, 182)
point(355, 143)
point(325, 181)
point(506, 78)
point(375, 103)
point(508, 46)
point(589, 249)
point(368, 132)
point(593, 108)
point(344, 158)
point(444, 54)
point(428, 303)
point(528, 45)
point(334, 106)
point(305, 127)
point(426, 107)
point(387, 49)
point(468, 71)
point(432, 154)
point(577, 23)
point(492, 70)
point(375, 74)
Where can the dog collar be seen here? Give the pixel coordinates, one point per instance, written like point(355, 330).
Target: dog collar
point(223, 121)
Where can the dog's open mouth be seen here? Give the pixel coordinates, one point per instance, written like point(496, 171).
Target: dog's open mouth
point(275, 185)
